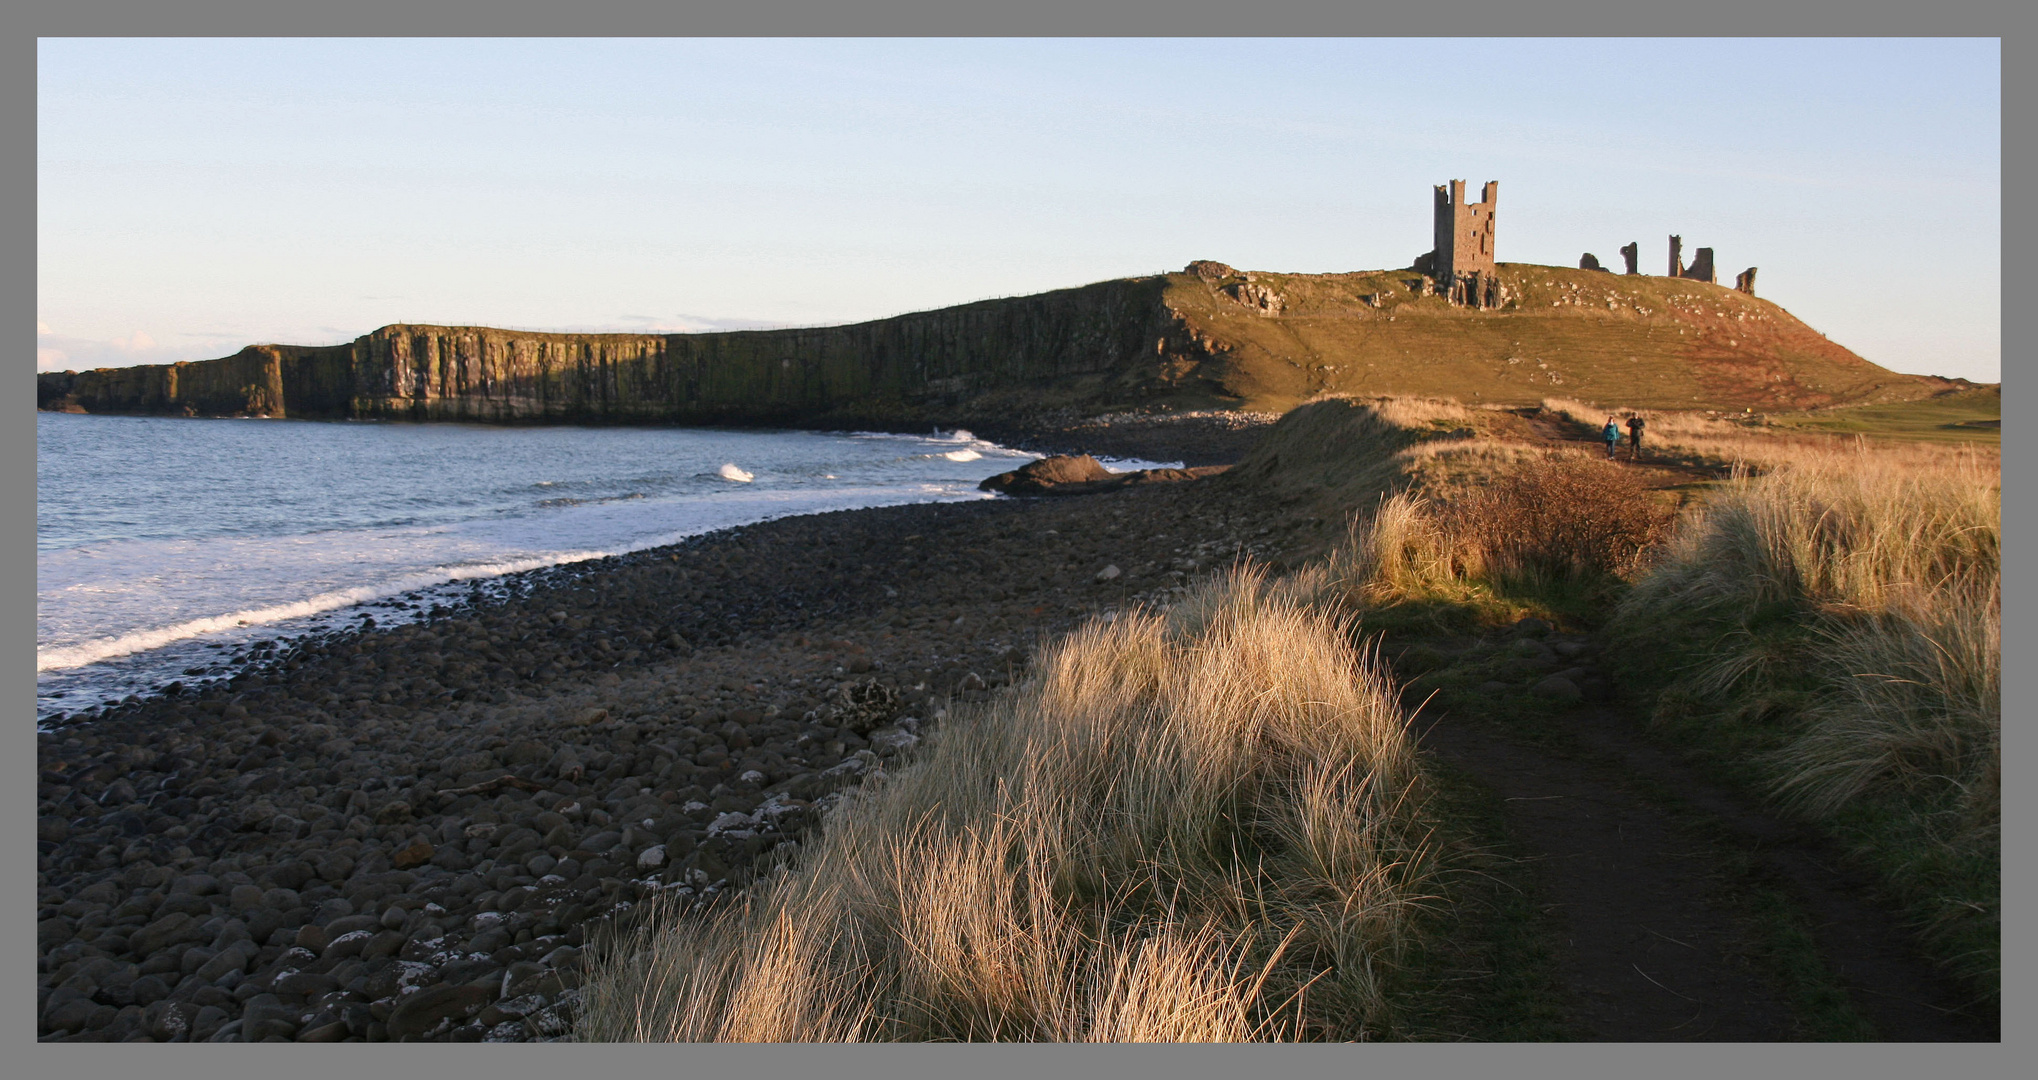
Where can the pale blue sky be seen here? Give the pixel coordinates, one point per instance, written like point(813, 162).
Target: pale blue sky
point(195, 196)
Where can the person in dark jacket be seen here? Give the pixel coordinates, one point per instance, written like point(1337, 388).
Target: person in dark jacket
point(1611, 433)
point(1635, 435)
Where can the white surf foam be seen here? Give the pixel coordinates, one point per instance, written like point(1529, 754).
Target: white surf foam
point(143, 600)
point(90, 652)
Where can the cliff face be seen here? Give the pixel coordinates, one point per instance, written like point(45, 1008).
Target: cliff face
point(1214, 336)
point(946, 364)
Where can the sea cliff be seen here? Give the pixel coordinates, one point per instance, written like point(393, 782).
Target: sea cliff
point(1208, 336)
point(888, 370)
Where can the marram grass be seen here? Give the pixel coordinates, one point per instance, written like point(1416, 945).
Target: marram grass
point(1200, 827)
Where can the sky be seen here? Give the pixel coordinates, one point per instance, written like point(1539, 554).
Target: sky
point(195, 196)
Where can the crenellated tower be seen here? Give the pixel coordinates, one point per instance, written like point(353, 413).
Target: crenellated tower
point(1463, 258)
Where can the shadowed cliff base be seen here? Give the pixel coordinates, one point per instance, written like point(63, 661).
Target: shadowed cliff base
point(1212, 339)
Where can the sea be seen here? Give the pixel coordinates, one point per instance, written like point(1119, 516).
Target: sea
point(169, 549)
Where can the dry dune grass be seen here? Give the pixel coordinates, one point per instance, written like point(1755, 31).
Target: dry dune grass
point(1829, 616)
point(1199, 827)
point(1899, 571)
point(1528, 525)
point(1342, 452)
point(1846, 612)
point(1340, 449)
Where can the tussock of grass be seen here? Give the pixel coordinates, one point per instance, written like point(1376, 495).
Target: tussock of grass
point(1838, 623)
point(1345, 450)
point(1205, 826)
point(1561, 528)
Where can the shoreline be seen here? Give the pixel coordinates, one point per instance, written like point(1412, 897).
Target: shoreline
point(449, 804)
point(1197, 438)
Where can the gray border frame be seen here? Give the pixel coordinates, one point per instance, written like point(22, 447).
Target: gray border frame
point(89, 18)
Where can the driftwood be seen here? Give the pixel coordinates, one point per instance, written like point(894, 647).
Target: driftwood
point(496, 784)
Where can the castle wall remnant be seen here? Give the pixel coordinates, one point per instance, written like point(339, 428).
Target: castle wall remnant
point(1745, 281)
point(1701, 267)
point(1463, 256)
point(1589, 261)
point(1633, 254)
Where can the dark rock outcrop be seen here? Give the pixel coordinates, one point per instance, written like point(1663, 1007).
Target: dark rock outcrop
point(1083, 474)
point(1044, 476)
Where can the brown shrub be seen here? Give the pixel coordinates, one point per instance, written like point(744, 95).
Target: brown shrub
point(1559, 517)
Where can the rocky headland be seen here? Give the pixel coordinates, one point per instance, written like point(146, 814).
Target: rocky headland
point(1208, 337)
point(409, 833)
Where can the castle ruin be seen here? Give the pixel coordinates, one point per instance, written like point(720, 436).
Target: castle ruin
point(1700, 268)
point(1462, 261)
point(1463, 268)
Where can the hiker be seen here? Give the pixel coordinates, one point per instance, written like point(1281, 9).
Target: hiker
point(1635, 435)
point(1612, 436)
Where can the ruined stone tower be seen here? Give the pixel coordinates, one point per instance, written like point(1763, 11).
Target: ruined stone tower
point(1463, 258)
point(1700, 268)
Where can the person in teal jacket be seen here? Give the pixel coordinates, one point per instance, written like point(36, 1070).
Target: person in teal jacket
point(1611, 433)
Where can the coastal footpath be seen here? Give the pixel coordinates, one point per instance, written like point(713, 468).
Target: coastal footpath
point(1210, 336)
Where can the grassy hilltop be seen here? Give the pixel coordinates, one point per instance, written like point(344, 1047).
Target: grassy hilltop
point(1642, 341)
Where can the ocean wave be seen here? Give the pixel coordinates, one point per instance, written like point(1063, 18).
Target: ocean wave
point(137, 580)
point(58, 658)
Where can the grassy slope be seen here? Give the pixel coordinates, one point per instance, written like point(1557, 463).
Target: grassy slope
point(1648, 342)
point(1974, 416)
point(1923, 833)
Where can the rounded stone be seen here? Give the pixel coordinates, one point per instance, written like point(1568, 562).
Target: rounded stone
point(1558, 688)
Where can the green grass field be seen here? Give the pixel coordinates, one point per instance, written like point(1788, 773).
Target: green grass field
point(1963, 416)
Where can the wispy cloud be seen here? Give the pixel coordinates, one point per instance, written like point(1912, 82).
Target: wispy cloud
point(670, 324)
point(60, 352)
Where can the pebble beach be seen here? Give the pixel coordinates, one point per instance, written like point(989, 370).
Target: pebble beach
point(412, 833)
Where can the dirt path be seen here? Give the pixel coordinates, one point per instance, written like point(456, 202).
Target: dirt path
point(1654, 943)
point(1644, 865)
